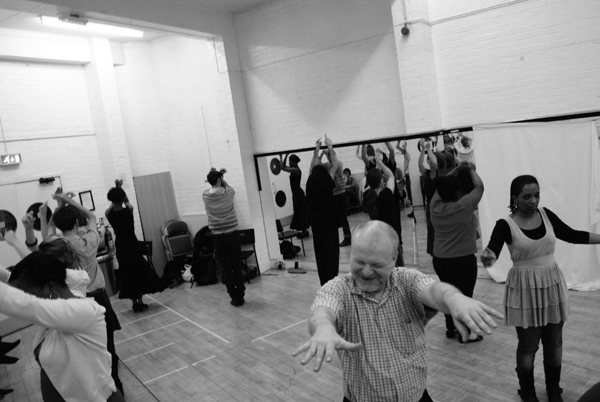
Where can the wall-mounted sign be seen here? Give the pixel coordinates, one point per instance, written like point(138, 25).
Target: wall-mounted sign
point(10, 159)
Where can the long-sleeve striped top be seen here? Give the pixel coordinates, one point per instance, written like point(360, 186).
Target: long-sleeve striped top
point(220, 210)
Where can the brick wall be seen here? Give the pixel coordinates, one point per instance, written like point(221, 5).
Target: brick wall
point(516, 60)
point(317, 67)
point(43, 100)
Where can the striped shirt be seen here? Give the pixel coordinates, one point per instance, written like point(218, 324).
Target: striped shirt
point(220, 210)
point(392, 365)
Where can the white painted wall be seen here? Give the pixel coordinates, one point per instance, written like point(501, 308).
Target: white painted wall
point(518, 60)
point(319, 67)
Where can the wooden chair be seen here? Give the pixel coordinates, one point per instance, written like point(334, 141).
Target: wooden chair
point(146, 250)
point(247, 238)
point(288, 234)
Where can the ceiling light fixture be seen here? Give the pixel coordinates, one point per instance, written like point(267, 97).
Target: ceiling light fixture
point(75, 22)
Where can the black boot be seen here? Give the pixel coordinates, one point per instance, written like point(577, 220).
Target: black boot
point(526, 382)
point(552, 383)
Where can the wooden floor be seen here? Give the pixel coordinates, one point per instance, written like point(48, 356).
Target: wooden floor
point(192, 345)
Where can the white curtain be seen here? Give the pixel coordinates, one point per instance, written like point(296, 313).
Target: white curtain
point(565, 159)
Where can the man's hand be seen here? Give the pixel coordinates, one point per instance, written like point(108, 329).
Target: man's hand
point(328, 141)
point(323, 344)
point(468, 312)
point(318, 144)
point(488, 258)
point(118, 183)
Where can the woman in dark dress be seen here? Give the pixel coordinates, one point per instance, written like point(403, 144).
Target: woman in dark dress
point(136, 275)
point(300, 219)
point(323, 214)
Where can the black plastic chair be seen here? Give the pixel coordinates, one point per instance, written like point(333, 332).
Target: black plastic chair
point(289, 234)
point(247, 238)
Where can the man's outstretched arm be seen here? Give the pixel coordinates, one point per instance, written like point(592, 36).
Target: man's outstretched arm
point(465, 311)
point(324, 339)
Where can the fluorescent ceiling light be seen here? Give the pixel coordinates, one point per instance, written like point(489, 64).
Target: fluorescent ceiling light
point(91, 27)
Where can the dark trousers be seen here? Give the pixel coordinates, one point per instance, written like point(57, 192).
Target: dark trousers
point(529, 341)
point(112, 324)
point(341, 204)
point(460, 272)
point(424, 398)
point(327, 251)
point(407, 187)
point(228, 253)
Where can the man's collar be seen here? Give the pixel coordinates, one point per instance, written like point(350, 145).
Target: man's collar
point(355, 289)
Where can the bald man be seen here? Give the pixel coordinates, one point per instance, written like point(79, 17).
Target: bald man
point(375, 318)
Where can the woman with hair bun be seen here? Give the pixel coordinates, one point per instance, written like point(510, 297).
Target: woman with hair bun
point(137, 277)
point(536, 296)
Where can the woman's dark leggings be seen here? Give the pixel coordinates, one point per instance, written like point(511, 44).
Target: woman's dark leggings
point(529, 341)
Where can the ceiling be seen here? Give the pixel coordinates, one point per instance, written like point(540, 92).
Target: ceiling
point(232, 6)
point(31, 22)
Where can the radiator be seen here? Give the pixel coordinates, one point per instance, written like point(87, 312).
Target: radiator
point(195, 221)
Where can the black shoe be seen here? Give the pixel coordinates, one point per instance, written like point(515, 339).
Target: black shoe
point(119, 386)
point(346, 242)
point(144, 306)
point(479, 338)
point(137, 308)
point(5, 391)
point(525, 397)
point(8, 360)
point(411, 215)
point(6, 347)
point(451, 334)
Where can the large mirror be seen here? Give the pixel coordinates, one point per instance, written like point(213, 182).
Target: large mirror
point(278, 201)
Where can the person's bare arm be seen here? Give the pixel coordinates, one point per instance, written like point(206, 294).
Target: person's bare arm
point(431, 158)
point(391, 153)
point(478, 188)
point(17, 244)
point(465, 311)
point(324, 339)
point(390, 179)
point(316, 159)
point(363, 155)
point(91, 218)
point(406, 162)
point(333, 160)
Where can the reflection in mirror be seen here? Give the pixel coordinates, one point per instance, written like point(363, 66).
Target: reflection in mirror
point(281, 177)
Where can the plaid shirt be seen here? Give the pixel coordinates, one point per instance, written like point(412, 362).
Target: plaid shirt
point(392, 364)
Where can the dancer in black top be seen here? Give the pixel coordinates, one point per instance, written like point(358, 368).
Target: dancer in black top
point(136, 275)
point(300, 219)
point(323, 213)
